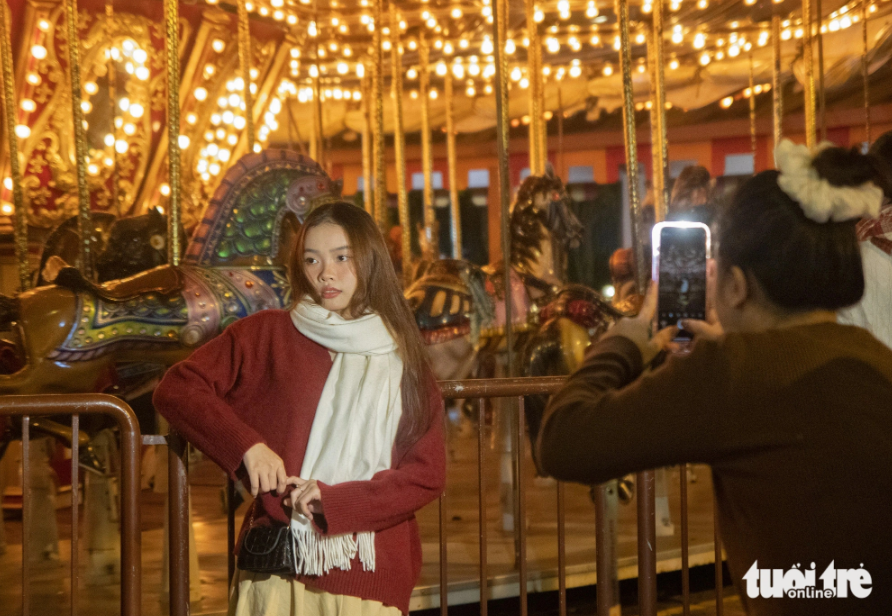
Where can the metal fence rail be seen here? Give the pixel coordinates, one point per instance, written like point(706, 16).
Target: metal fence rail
point(27, 407)
point(76, 405)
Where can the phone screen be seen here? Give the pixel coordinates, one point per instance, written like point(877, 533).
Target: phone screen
point(682, 276)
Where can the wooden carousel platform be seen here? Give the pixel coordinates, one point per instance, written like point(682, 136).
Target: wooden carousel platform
point(51, 581)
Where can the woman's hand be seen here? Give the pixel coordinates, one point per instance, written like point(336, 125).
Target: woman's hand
point(306, 497)
point(265, 470)
point(710, 329)
point(637, 329)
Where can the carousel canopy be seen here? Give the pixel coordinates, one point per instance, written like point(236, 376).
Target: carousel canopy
point(308, 52)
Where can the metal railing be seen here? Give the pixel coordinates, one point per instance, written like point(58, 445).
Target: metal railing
point(76, 405)
point(481, 390)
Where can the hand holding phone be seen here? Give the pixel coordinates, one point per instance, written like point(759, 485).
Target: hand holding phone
point(680, 251)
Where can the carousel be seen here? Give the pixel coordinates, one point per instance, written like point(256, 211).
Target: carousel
point(158, 159)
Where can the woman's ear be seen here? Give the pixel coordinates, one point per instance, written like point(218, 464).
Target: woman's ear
point(737, 287)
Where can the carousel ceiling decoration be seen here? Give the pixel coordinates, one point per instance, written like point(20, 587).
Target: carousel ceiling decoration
point(314, 64)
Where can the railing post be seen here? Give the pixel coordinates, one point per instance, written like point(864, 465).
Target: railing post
point(647, 544)
point(607, 575)
point(178, 524)
point(29, 406)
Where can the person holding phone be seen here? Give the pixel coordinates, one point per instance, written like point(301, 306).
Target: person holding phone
point(330, 412)
point(792, 410)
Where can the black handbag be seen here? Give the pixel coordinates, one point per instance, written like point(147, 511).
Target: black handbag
point(267, 549)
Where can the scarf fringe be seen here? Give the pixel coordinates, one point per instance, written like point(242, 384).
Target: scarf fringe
point(316, 554)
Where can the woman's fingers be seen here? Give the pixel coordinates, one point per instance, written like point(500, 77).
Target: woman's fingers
point(281, 479)
point(702, 329)
point(663, 338)
point(306, 498)
point(649, 306)
point(254, 477)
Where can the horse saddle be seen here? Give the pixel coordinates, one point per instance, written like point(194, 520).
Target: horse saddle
point(164, 280)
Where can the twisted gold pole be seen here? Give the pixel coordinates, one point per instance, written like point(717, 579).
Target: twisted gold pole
point(822, 98)
point(84, 223)
point(380, 170)
point(500, 32)
point(18, 200)
point(455, 210)
point(314, 129)
point(659, 138)
point(426, 155)
point(752, 111)
point(244, 64)
point(865, 70)
point(778, 95)
point(367, 145)
point(173, 129)
point(631, 142)
point(113, 107)
point(534, 69)
point(318, 127)
point(808, 57)
point(399, 141)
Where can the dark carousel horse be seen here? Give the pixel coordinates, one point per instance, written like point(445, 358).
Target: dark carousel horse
point(123, 247)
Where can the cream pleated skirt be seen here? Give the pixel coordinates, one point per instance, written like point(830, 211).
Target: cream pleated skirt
point(258, 594)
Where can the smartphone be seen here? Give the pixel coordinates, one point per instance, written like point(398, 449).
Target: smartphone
point(680, 250)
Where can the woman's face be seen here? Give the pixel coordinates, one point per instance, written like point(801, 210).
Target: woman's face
point(328, 265)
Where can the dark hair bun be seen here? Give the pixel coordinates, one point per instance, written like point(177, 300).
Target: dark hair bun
point(799, 263)
point(847, 167)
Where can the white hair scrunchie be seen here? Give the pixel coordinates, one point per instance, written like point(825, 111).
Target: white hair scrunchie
point(820, 200)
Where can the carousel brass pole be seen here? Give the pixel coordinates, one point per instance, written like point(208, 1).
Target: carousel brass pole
point(752, 111)
point(426, 156)
point(380, 170)
point(534, 69)
point(80, 141)
point(399, 139)
point(314, 139)
point(560, 131)
point(865, 71)
point(18, 201)
point(631, 142)
point(366, 146)
point(113, 107)
point(500, 28)
point(808, 56)
point(822, 99)
point(244, 65)
point(659, 139)
point(777, 94)
point(647, 564)
point(317, 123)
point(173, 130)
point(455, 210)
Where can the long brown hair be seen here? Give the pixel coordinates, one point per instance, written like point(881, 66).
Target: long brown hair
point(378, 290)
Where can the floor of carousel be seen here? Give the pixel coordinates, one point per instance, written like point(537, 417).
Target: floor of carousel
point(51, 586)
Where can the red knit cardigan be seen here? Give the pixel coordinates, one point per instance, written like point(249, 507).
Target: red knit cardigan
point(260, 382)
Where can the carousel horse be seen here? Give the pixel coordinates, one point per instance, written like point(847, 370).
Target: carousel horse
point(76, 335)
point(64, 244)
point(460, 307)
point(123, 247)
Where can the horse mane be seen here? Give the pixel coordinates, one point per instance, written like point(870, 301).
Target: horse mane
point(527, 225)
point(232, 186)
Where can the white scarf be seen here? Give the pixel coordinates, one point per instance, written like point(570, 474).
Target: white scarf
point(354, 428)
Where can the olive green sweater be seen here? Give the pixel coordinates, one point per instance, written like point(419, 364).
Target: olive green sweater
point(796, 424)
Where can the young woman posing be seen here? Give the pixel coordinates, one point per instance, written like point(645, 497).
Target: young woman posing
point(332, 414)
point(792, 410)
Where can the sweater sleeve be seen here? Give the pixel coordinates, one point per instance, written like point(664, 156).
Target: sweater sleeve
point(604, 423)
point(394, 495)
point(191, 397)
